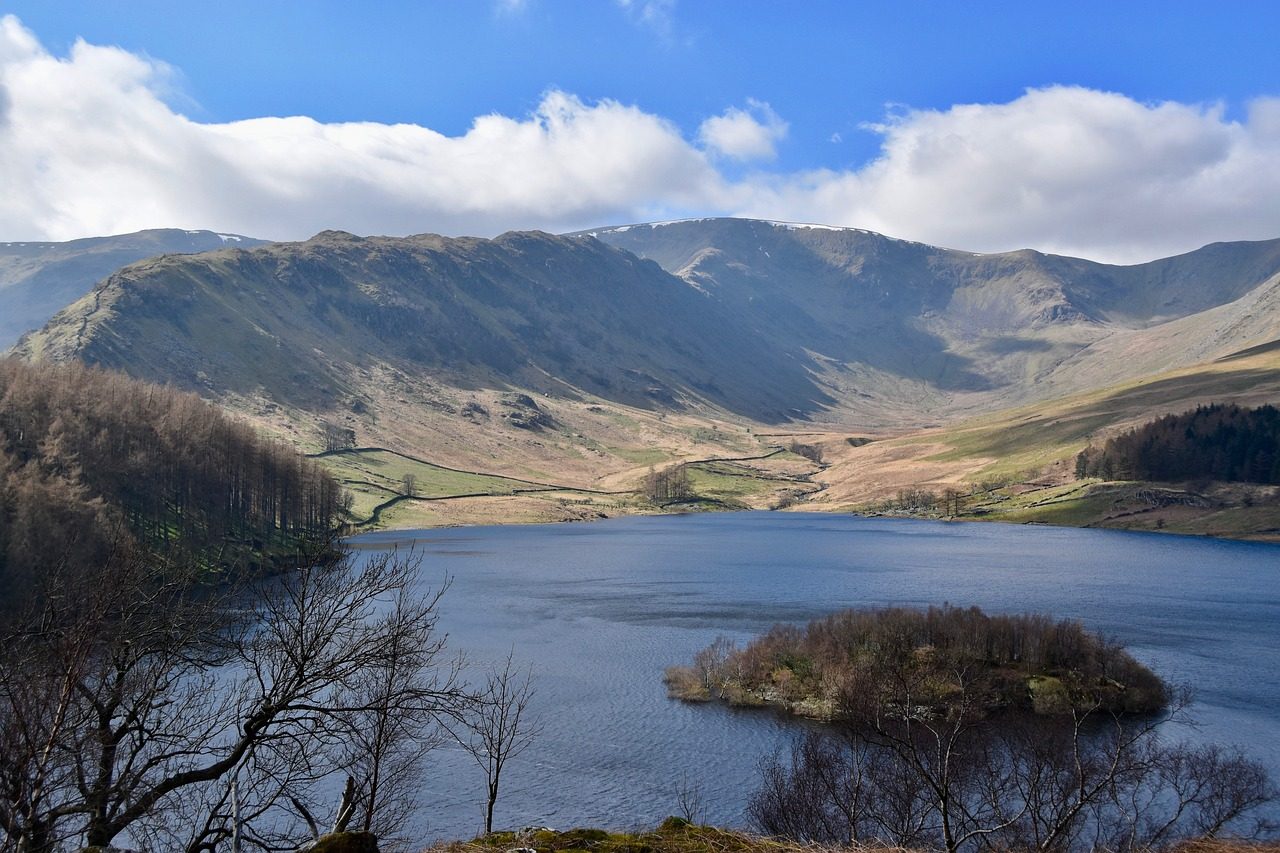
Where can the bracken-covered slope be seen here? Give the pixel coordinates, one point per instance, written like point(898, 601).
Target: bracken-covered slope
point(37, 279)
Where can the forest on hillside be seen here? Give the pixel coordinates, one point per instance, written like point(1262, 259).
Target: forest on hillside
point(1217, 442)
point(92, 462)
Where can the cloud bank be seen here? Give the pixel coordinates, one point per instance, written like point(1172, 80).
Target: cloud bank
point(1061, 169)
point(89, 146)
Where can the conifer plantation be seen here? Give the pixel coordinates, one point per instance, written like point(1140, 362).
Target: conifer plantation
point(1218, 442)
point(92, 462)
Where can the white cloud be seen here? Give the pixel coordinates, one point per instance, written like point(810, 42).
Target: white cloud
point(88, 145)
point(1061, 169)
point(749, 134)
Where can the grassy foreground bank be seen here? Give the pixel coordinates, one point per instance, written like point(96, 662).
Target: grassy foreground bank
point(676, 835)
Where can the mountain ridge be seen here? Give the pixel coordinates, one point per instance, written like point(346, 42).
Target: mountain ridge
point(835, 323)
point(584, 360)
point(980, 307)
point(37, 278)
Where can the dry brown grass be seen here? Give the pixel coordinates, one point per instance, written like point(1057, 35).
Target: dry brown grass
point(677, 836)
point(672, 836)
point(598, 445)
point(1223, 845)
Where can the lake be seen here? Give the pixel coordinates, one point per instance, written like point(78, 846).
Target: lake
point(600, 609)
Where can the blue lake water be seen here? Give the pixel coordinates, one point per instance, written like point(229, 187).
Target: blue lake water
point(601, 609)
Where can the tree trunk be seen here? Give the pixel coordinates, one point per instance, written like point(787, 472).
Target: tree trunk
point(493, 798)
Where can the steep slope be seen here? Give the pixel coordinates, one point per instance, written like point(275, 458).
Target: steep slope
point(553, 315)
point(980, 331)
point(93, 464)
point(1188, 340)
point(38, 279)
point(764, 321)
point(1171, 288)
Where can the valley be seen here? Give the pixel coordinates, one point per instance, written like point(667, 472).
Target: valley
point(533, 426)
point(535, 378)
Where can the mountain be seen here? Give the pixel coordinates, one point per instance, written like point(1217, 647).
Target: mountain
point(37, 279)
point(573, 364)
point(554, 315)
point(765, 321)
point(971, 331)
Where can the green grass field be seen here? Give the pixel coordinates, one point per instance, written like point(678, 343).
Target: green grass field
point(737, 485)
point(374, 477)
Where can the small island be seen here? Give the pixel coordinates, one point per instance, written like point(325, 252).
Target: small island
point(923, 661)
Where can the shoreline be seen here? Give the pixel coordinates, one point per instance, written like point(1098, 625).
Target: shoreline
point(1268, 537)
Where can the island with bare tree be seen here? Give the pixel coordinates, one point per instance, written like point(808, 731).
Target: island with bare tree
point(1029, 662)
point(950, 729)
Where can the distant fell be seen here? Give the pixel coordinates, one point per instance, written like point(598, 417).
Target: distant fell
point(39, 278)
point(965, 331)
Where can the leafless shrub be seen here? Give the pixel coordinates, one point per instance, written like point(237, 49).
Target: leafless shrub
point(903, 770)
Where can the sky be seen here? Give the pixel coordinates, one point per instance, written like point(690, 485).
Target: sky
point(1115, 131)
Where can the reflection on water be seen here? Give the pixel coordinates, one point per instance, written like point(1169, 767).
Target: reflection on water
point(601, 609)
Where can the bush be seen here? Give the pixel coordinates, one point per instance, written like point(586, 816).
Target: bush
point(817, 664)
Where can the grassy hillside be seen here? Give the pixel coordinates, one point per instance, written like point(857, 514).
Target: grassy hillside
point(675, 835)
point(1019, 465)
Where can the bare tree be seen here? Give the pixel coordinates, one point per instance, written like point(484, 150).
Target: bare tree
point(690, 800)
point(409, 485)
point(838, 789)
point(337, 437)
point(669, 485)
point(501, 727)
point(711, 664)
point(386, 741)
point(812, 452)
point(921, 759)
point(135, 698)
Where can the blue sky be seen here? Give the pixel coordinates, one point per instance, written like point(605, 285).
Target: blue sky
point(812, 96)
